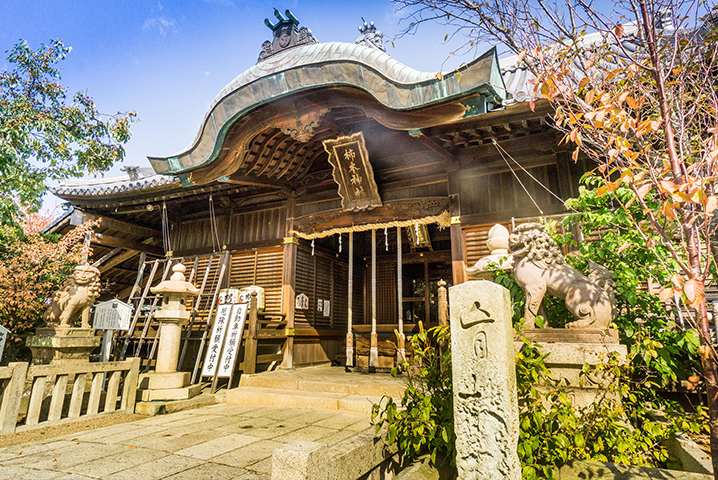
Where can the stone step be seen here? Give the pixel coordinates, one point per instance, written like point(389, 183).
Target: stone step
point(371, 389)
point(273, 397)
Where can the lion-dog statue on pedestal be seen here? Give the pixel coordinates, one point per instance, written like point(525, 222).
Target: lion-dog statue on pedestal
point(539, 267)
point(75, 298)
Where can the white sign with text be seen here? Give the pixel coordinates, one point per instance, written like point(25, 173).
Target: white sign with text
point(112, 315)
point(219, 329)
point(234, 340)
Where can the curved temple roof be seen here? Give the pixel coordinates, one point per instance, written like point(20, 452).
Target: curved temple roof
point(392, 84)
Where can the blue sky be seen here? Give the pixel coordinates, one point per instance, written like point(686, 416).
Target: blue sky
point(166, 60)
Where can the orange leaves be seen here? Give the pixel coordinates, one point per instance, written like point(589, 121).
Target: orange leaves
point(668, 211)
point(647, 126)
point(30, 271)
point(711, 205)
point(607, 187)
point(644, 189)
point(668, 186)
point(694, 291)
point(632, 102)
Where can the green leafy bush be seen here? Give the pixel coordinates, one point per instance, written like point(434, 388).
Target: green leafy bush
point(552, 429)
point(424, 423)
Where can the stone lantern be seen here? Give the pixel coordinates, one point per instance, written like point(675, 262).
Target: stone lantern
point(498, 244)
point(166, 383)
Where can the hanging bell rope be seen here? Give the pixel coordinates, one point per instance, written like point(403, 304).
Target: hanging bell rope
point(216, 245)
point(443, 221)
point(166, 244)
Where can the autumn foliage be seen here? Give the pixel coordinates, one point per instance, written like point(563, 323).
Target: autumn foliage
point(32, 267)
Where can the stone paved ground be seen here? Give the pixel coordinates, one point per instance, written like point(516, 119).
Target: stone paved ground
point(218, 442)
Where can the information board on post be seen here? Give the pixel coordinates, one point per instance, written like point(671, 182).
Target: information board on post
point(112, 315)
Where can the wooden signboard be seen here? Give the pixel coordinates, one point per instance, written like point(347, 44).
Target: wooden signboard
point(225, 340)
point(234, 339)
point(353, 172)
point(216, 340)
point(301, 302)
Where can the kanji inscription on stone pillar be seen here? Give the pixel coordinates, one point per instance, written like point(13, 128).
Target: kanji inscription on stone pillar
point(484, 377)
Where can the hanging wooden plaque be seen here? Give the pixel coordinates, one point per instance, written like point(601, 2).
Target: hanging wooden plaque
point(353, 172)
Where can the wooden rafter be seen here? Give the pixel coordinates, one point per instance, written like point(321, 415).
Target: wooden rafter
point(450, 161)
point(270, 156)
point(79, 217)
point(109, 241)
point(106, 256)
point(262, 147)
point(249, 180)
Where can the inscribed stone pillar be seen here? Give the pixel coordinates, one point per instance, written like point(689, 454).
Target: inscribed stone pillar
point(484, 378)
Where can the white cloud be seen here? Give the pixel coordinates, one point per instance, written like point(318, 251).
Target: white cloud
point(161, 23)
point(206, 74)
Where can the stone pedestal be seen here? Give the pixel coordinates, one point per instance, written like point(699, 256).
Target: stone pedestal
point(166, 386)
point(569, 350)
point(486, 417)
point(53, 345)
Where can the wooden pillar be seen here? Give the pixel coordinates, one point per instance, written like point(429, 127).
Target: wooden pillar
point(427, 295)
point(458, 256)
point(289, 281)
point(401, 350)
point(350, 313)
point(457, 252)
point(374, 347)
point(443, 304)
point(250, 348)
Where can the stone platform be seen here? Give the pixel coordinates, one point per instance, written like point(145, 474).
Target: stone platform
point(317, 387)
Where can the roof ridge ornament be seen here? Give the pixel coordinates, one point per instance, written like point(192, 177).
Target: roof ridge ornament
point(370, 36)
point(286, 35)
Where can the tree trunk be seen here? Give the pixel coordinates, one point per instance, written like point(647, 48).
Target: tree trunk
point(711, 376)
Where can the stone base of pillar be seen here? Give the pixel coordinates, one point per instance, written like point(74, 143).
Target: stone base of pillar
point(166, 386)
point(374, 351)
point(401, 348)
point(57, 345)
point(350, 350)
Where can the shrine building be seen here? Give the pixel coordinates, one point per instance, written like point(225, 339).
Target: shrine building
point(343, 183)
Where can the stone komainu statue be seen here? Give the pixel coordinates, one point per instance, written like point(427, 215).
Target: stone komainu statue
point(540, 268)
point(75, 298)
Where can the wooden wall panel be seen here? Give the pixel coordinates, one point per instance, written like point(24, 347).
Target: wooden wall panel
point(262, 268)
point(502, 191)
point(475, 241)
point(324, 277)
point(339, 302)
point(308, 352)
point(386, 296)
point(191, 234)
point(258, 225)
point(305, 285)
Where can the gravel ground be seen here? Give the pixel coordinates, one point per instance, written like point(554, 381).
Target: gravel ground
point(66, 429)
